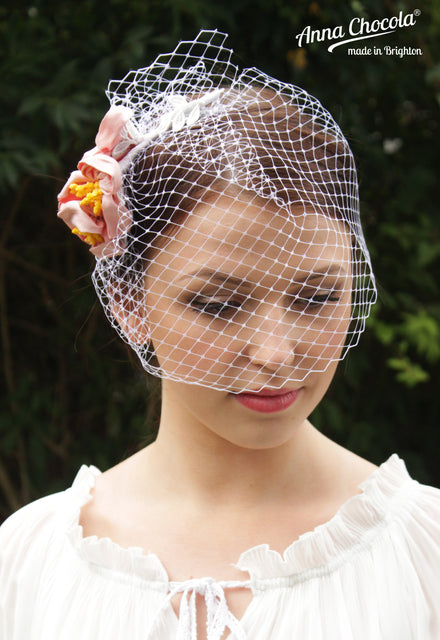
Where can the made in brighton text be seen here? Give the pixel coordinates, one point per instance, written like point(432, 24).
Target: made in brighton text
point(401, 52)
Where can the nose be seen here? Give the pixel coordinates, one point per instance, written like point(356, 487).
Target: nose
point(270, 342)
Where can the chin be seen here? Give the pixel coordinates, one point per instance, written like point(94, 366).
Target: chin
point(270, 434)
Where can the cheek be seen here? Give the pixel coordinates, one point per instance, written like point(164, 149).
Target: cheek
point(334, 333)
point(186, 348)
point(334, 339)
point(322, 340)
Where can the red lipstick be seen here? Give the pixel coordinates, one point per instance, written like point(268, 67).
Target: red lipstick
point(268, 400)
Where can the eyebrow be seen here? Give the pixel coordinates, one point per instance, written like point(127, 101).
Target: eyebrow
point(217, 276)
point(326, 270)
point(225, 278)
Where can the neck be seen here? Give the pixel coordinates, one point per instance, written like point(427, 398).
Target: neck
point(192, 460)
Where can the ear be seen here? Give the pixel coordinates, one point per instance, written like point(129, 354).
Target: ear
point(128, 305)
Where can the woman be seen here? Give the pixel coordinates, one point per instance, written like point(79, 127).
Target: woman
point(223, 211)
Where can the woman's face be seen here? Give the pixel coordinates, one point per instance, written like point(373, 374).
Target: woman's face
point(244, 298)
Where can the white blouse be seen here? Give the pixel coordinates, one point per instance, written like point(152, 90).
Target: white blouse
point(371, 573)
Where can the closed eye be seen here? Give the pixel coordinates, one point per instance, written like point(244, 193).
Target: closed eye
point(317, 300)
point(216, 307)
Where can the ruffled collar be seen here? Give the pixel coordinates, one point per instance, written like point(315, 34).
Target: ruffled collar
point(320, 551)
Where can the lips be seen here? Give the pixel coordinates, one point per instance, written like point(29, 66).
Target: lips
point(268, 400)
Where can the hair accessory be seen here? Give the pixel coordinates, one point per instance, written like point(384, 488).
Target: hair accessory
point(89, 202)
point(222, 206)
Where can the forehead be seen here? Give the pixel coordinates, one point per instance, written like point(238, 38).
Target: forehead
point(251, 234)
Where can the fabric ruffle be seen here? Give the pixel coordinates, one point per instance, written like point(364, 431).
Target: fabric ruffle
point(103, 551)
point(355, 525)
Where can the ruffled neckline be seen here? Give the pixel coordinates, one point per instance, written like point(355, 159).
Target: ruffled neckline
point(319, 551)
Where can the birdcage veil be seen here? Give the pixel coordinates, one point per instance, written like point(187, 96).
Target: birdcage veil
point(246, 187)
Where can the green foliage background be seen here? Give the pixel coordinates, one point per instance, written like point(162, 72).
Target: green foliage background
point(71, 393)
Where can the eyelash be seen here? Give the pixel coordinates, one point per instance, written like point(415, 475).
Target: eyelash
point(222, 309)
point(318, 300)
point(230, 308)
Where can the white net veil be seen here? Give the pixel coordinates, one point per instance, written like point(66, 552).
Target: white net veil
point(222, 207)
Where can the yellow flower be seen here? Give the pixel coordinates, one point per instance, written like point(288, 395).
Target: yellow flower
point(90, 194)
point(91, 238)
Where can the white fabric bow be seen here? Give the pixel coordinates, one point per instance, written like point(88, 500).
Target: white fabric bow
point(183, 113)
point(219, 617)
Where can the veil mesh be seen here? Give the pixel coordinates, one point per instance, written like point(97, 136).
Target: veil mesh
point(223, 209)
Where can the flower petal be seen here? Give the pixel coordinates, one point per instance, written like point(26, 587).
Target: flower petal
point(109, 133)
point(65, 194)
point(74, 216)
point(193, 115)
point(178, 120)
point(95, 165)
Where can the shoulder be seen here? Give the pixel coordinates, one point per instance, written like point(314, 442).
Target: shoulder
point(405, 502)
point(26, 529)
point(413, 500)
point(34, 539)
point(419, 510)
point(49, 514)
point(411, 539)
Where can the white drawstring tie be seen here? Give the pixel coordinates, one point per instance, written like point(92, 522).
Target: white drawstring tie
point(219, 617)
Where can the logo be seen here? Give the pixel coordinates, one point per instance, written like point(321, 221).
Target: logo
point(363, 29)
